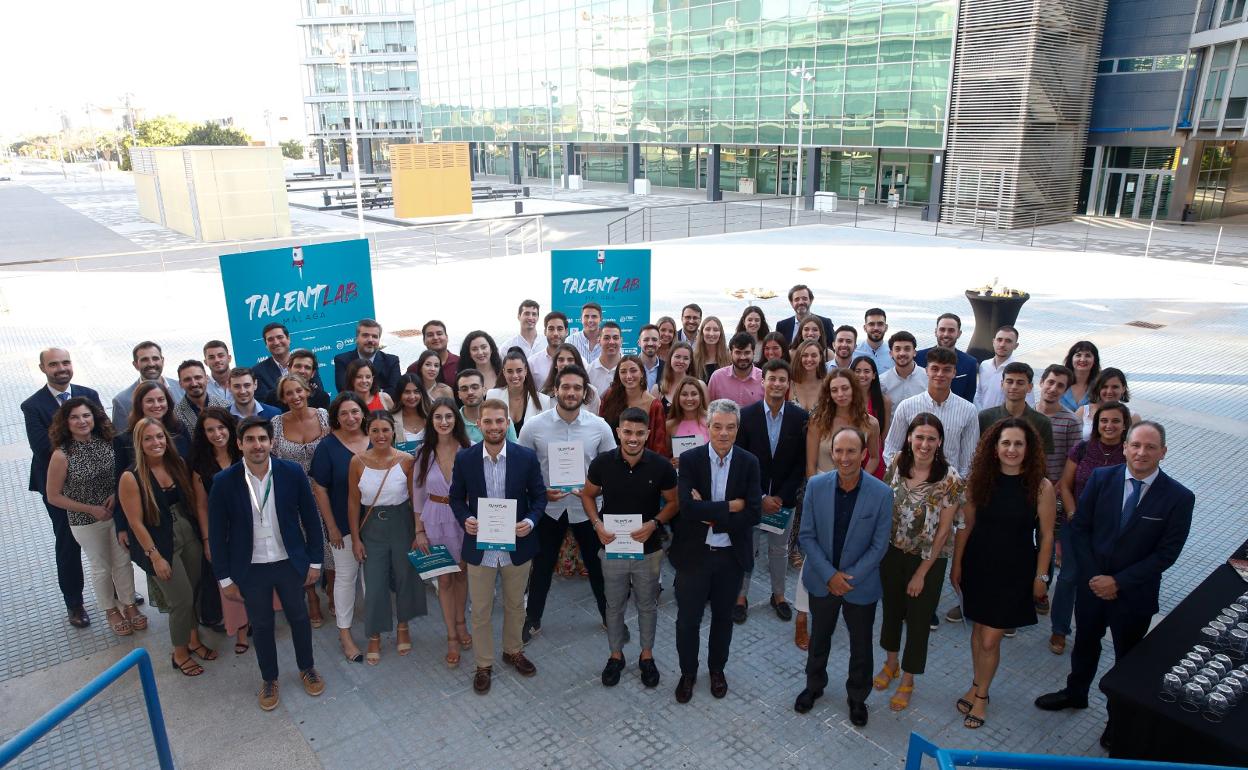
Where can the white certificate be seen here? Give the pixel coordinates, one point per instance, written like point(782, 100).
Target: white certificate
point(496, 524)
point(623, 546)
point(566, 464)
point(685, 443)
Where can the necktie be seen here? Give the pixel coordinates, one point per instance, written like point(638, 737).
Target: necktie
point(1133, 499)
point(63, 397)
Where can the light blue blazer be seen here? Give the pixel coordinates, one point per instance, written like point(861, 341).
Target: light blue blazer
point(865, 542)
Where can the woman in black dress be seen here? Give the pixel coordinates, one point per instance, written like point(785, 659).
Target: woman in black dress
point(998, 568)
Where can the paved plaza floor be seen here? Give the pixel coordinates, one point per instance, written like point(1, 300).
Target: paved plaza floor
point(1191, 374)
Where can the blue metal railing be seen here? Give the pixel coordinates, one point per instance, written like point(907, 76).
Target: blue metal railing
point(948, 759)
point(45, 724)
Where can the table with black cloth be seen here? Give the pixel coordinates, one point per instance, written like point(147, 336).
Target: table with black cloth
point(1146, 727)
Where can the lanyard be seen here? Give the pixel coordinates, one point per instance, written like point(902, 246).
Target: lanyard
point(268, 487)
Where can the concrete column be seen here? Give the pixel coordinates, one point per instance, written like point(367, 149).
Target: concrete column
point(569, 162)
point(632, 164)
point(366, 155)
point(320, 156)
point(713, 193)
point(938, 176)
point(810, 176)
point(1094, 186)
point(472, 161)
point(515, 163)
point(1183, 190)
point(342, 155)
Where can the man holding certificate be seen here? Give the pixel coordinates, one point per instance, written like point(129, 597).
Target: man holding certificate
point(774, 431)
point(566, 439)
point(720, 500)
point(498, 496)
point(638, 489)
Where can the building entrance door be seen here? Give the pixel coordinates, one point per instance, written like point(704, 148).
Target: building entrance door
point(893, 176)
point(1135, 194)
point(787, 183)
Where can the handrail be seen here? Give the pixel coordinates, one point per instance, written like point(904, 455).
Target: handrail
point(46, 723)
point(948, 759)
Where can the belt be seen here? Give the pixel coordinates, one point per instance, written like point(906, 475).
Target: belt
point(439, 499)
point(714, 548)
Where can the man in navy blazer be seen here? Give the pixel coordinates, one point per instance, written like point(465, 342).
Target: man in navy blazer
point(264, 535)
point(37, 411)
point(846, 520)
point(270, 370)
point(712, 547)
point(774, 431)
point(386, 371)
point(800, 297)
point(498, 469)
point(1129, 527)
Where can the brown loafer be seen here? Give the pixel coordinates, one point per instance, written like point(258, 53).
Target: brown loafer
point(269, 696)
point(1057, 644)
point(801, 636)
point(481, 680)
point(313, 684)
point(522, 665)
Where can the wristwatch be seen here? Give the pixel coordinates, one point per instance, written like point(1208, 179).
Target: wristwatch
point(1042, 578)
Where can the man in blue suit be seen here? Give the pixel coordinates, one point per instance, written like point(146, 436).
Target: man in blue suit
point(800, 297)
point(386, 371)
point(37, 411)
point(1129, 527)
point(264, 534)
point(774, 431)
point(270, 370)
point(948, 330)
point(498, 469)
point(845, 525)
point(712, 546)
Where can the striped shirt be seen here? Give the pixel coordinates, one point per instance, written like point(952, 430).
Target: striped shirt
point(959, 417)
point(1066, 433)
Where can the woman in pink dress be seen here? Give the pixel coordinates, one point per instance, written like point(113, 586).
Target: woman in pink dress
point(445, 435)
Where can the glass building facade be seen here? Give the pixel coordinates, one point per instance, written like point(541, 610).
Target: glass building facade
point(679, 76)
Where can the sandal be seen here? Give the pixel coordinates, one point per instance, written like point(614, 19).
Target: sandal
point(885, 677)
point(404, 647)
point(119, 624)
point(138, 621)
point(465, 639)
point(188, 667)
point(207, 654)
point(972, 722)
point(898, 703)
point(373, 657)
point(452, 652)
point(963, 705)
point(241, 647)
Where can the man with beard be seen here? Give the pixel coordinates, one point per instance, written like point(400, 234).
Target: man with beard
point(691, 321)
point(800, 297)
point(568, 422)
point(303, 363)
point(948, 330)
point(555, 325)
point(368, 347)
point(875, 324)
point(217, 359)
point(194, 382)
point(270, 370)
point(843, 343)
point(742, 382)
point(149, 361)
point(434, 334)
point(37, 411)
point(648, 344)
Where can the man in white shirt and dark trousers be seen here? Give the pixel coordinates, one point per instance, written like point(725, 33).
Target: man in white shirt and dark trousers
point(264, 533)
point(567, 422)
point(988, 390)
point(556, 328)
point(528, 340)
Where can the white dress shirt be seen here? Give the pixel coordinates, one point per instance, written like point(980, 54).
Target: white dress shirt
point(266, 536)
point(1126, 486)
point(529, 348)
point(600, 376)
point(959, 417)
point(539, 365)
point(899, 388)
point(549, 427)
point(988, 389)
point(719, 493)
point(496, 487)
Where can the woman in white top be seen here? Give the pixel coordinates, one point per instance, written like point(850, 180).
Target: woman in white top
point(383, 530)
point(411, 409)
point(521, 396)
point(1110, 385)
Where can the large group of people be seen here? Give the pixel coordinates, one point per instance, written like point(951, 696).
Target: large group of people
point(878, 467)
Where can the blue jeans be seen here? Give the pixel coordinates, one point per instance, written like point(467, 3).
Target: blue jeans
point(1063, 606)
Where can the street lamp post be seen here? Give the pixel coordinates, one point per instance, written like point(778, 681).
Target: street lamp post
point(803, 76)
point(342, 48)
point(550, 129)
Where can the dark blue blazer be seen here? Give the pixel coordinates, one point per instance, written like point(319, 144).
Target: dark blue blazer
point(964, 377)
point(785, 327)
point(230, 520)
point(38, 411)
point(267, 374)
point(782, 474)
point(385, 367)
point(688, 548)
point(524, 485)
point(1134, 555)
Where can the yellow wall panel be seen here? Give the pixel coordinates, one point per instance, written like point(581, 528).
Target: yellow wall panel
point(430, 179)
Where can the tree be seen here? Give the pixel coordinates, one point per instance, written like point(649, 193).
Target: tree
point(209, 133)
point(293, 149)
point(161, 131)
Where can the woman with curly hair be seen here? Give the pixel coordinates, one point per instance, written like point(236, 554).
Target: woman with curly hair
point(841, 404)
point(1001, 562)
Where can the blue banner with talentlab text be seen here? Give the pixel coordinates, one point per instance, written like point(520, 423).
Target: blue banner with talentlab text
point(617, 279)
point(318, 292)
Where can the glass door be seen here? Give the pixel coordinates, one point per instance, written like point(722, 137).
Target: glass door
point(893, 178)
point(1132, 192)
point(788, 177)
